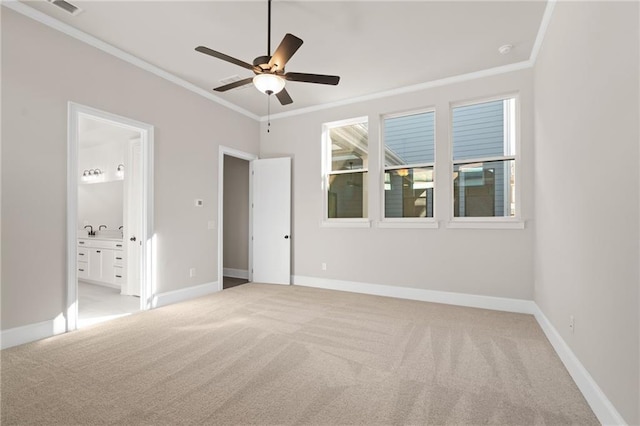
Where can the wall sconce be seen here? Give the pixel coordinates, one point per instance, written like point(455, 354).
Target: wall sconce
point(91, 174)
point(120, 170)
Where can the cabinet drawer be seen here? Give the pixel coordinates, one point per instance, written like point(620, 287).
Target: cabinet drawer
point(83, 270)
point(83, 254)
point(118, 258)
point(119, 274)
point(105, 244)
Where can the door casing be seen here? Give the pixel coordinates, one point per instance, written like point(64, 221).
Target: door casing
point(74, 112)
point(222, 151)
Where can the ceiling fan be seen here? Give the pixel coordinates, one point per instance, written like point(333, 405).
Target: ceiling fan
point(269, 70)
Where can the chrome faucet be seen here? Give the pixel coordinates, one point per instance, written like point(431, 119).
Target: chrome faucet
point(91, 233)
point(100, 227)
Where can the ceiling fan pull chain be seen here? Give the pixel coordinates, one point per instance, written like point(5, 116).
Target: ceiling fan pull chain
point(268, 108)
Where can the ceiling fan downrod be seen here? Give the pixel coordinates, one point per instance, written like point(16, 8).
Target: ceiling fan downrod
point(269, 30)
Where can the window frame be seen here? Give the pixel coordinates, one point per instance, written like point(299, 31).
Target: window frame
point(326, 172)
point(488, 222)
point(406, 222)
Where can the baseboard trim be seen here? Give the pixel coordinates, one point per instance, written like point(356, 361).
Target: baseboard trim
point(595, 397)
point(235, 273)
point(32, 332)
point(520, 306)
point(175, 296)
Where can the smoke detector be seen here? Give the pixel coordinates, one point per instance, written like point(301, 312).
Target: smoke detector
point(505, 49)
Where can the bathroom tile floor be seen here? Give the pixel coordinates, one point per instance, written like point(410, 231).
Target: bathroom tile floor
point(98, 303)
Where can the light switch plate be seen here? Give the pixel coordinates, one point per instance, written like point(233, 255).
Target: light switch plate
point(199, 202)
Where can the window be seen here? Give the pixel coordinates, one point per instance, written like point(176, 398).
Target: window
point(408, 165)
point(484, 159)
point(346, 149)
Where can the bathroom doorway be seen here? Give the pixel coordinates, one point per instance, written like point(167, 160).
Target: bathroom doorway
point(109, 238)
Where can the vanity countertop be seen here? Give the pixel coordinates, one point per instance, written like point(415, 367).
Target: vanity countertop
point(100, 238)
point(104, 235)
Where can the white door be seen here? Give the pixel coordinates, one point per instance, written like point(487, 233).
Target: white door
point(132, 231)
point(271, 220)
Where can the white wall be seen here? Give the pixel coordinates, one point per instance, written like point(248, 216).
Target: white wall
point(42, 70)
point(486, 262)
point(236, 213)
point(101, 203)
point(587, 191)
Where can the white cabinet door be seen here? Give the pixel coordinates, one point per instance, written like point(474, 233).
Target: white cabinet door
point(108, 271)
point(272, 220)
point(95, 264)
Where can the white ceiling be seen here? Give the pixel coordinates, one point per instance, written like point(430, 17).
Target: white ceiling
point(374, 46)
point(96, 132)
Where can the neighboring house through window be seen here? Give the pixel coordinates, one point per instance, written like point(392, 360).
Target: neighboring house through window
point(408, 142)
point(484, 159)
point(346, 153)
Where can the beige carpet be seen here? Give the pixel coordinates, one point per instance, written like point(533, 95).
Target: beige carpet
point(260, 354)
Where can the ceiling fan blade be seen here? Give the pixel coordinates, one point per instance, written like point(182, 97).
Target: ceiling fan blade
point(312, 78)
point(234, 85)
point(283, 97)
point(210, 52)
point(288, 46)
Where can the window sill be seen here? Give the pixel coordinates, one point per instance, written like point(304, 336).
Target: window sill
point(346, 223)
point(409, 223)
point(486, 223)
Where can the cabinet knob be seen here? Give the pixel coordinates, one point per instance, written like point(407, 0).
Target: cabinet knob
point(132, 238)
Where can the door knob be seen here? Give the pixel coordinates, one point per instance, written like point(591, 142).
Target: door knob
point(286, 237)
point(132, 238)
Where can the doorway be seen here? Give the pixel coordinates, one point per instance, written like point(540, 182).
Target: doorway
point(108, 217)
point(234, 216)
point(235, 252)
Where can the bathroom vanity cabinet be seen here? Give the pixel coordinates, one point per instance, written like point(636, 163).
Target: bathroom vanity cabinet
point(102, 261)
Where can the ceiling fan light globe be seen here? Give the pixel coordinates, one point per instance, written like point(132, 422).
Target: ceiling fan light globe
point(269, 83)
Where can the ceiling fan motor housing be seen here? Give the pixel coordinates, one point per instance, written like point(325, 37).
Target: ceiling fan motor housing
point(263, 63)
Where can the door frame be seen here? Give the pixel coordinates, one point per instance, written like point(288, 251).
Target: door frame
point(232, 152)
point(147, 287)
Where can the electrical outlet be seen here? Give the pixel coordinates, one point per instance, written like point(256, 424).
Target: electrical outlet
point(572, 324)
point(192, 272)
point(324, 266)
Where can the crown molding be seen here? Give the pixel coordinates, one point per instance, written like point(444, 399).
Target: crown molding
point(542, 31)
point(32, 13)
point(47, 20)
point(407, 89)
